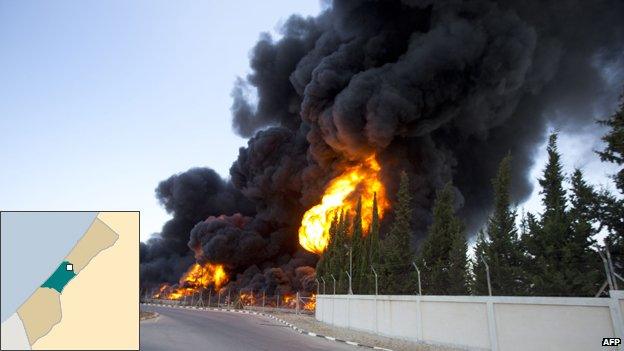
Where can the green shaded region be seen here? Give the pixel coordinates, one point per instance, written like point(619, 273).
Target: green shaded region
point(59, 278)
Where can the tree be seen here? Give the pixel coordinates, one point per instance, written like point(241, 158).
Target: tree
point(360, 252)
point(548, 238)
point(614, 140)
point(501, 248)
point(396, 249)
point(374, 253)
point(611, 209)
point(479, 274)
point(443, 256)
point(337, 253)
point(583, 266)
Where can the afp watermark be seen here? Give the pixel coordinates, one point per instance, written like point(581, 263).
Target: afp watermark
point(611, 341)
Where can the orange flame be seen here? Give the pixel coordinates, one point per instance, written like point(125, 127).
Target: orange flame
point(247, 299)
point(196, 278)
point(342, 193)
point(161, 291)
point(311, 304)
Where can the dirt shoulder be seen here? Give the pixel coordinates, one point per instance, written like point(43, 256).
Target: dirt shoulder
point(143, 315)
point(309, 323)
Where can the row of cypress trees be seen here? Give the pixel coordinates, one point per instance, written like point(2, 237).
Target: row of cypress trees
point(553, 253)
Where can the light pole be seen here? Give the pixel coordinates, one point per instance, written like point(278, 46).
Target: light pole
point(487, 273)
point(334, 283)
point(375, 273)
point(418, 274)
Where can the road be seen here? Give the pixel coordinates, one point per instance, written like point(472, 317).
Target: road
point(181, 329)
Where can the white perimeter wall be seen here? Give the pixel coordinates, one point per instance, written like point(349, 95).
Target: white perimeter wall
point(481, 322)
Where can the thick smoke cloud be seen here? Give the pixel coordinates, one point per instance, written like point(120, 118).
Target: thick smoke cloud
point(440, 89)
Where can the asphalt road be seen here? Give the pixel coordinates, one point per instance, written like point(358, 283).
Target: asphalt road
point(180, 329)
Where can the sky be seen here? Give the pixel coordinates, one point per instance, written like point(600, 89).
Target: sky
point(102, 100)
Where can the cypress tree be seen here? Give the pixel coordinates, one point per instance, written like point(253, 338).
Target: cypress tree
point(327, 262)
point(549, 237)
point(479, 276)
point(360, 254)
point(342, 253)
point(583, 268)
point(610, 208)
point(443, 256)
point(501, 250)
point(614, 140)
point(396, 250)
point(374, 258)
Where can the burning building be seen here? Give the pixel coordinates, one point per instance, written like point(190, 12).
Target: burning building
point(347, 99)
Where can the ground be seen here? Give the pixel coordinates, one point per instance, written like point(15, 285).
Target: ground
point(309, 323)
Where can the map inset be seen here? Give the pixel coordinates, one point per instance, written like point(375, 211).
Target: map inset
point(70, 280)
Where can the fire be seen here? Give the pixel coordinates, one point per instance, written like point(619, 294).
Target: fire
point(247, 299)
point(288, 301)
point(161, 291)
point(196, 278)
point(311, 304)
point(342, 193)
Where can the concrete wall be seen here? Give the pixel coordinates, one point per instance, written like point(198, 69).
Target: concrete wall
point(481, 322)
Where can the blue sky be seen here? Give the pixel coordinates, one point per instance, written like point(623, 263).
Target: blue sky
point(101, 100)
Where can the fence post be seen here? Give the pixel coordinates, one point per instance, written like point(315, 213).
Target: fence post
point(487, 273)
point(418, 274)
point(209, 297)
point(297, 303)
point(263, 296)
point(318, 286)
point(277, 300)
point(334, 283)
point(350, 290)
point(611, 266)
point(323, 280)
point(376, 292)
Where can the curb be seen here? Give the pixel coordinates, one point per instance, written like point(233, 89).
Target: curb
point(294, 327)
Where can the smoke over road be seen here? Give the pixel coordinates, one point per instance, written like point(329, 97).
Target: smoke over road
point(440, 89)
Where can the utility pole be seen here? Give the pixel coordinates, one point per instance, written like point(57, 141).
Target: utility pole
point(418, 274)
point(375, 273)
point(334, 283)
point(487, 273)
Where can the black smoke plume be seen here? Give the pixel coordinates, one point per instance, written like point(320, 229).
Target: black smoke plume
point(440, 89)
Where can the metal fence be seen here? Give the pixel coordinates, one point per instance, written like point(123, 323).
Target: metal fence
point(245, 299)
